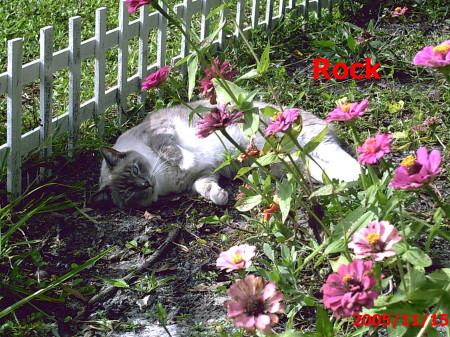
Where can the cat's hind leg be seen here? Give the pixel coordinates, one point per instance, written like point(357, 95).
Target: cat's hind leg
point(208, 188)
point(336, 163)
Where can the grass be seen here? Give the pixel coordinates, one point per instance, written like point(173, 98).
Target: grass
point(400, 102)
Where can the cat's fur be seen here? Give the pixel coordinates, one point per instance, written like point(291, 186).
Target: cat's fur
point(163, 155)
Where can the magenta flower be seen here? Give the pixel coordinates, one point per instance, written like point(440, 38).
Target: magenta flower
point(350, 289)
point(255, 304)
point(374, 148)
point(376, 240)
point(435, 57)
point(206, 83)
point(237, 257)
point(348, 111)
point(218, 118)
point(133, 5)
point(282, 121)
point(399, 11)
point(414, 173)
point(156, 78)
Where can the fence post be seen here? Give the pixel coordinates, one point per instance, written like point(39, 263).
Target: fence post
point(255, 14)
point(240, 10)
point(122, 62)
point(14, 118)
point(100, 69)
point(46, 91)
point(269, 14)
point(74, 81)
point(144, 30)
point(162, 39)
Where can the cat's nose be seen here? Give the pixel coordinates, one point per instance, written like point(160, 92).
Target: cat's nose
point(146, 184)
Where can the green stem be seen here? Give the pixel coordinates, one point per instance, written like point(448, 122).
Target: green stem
point(405, 242)
point(357, 142)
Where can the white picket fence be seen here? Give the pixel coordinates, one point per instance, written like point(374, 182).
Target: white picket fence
point(50, 61)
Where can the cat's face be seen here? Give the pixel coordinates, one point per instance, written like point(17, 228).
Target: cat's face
point(128, 182)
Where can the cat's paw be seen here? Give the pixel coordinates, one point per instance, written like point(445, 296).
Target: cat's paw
point(218, 195)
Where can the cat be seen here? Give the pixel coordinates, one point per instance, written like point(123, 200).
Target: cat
point(163, 155)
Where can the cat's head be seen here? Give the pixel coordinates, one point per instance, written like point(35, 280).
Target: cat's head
point(126, 180)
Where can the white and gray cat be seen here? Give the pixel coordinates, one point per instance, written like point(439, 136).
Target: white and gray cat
point(163, 155)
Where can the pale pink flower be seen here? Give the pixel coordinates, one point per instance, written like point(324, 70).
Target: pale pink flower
point(155, 79)
point(255, 304)
point(376, 240)
point(282, 121)
point(374, 148)
point(348, 111)
point(435, 57)
point(216, 119)
point(350, 289)
point(399, 11)
point(414, 173)
point(237, 257)
point(133, 5)
point(206, 83)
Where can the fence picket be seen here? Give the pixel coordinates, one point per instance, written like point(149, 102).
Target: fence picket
point(46, 91)
point(14, 117)
point(74, 81)
point(18, 75)
point(122, 62)
point(100, 69)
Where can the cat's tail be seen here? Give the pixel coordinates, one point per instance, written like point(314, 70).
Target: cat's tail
point(336, 163)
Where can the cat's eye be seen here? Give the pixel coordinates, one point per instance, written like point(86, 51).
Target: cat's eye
point(128, 193)
point(135, 170)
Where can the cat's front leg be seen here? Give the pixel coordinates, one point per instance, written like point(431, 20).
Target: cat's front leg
point(208, 188)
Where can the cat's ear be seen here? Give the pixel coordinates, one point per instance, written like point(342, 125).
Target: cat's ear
point(102, 199)
point(112, 157)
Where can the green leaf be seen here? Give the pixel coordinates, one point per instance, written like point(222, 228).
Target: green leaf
point(242, 171)
point(248, 75)
point(335, 247)
point(192, 67)
point(351, 43)
point(268, 251)
point(324, 328)
point(215, 11)
point(417, 257)
point(247, 203)
point(264, 62)
point(324, 44)
point(285, 197)
point(313, 143)
point(267, 159)
point(251, 122)
point(198, 110)
point(223, 96)
point(119, 283)
point(296, 334)
point(269, 111)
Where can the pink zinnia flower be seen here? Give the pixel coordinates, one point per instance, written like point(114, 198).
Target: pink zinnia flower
point(435, 57)
point(133, 5)
point(218, 118)
point(414, 173)
point(376, 240)
point(282, 121)
point(155, 79)
point(237, 257)
point(399, 11)
point(350, 289)
point(206, 83)
point(348, 111)
point(255, 304)
point(374, 148)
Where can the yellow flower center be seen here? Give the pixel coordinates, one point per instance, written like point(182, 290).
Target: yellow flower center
point(409, 162)
point(278, 114)
point(373, 238)
point(236, 258)
point(443, 50)
point(398, 9)
point(346, 278)
point(346, 107)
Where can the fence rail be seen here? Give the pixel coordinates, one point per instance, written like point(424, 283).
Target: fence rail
point(50, 61)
